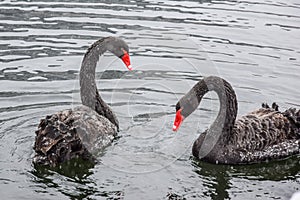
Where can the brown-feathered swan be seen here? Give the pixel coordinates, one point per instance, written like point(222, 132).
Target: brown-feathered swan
point(264, 134)
point(78, 132)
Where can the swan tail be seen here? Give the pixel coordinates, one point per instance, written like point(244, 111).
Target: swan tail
point(274, 106)
point(56, 141)
point(293, 115)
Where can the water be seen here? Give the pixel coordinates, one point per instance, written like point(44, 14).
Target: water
point(252, 44)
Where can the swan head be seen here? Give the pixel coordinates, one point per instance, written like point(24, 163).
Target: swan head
point(119, 48)
point(183, 109)
point(186, 106)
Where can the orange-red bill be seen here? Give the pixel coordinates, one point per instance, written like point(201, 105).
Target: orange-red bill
point(126, 59)
point(178, 120)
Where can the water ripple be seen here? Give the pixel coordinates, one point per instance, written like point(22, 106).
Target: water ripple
point(173, 44)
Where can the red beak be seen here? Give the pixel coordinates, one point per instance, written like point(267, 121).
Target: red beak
point(178, 120)
point(126, 60)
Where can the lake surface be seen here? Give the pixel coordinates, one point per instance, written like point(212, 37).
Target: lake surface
point(252, 44)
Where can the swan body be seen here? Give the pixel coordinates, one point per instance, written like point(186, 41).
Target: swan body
point(86, 129)
point(72, 133)
point(261, 135)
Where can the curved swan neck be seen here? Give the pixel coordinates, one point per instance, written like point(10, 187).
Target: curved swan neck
point(225, 119)
point(228, 104)
point(220, 130)
point(88, 89)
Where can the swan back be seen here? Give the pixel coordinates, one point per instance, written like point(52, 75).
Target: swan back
point(78, 132)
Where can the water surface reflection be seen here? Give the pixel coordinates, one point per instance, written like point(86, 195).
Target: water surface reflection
point(254, 45)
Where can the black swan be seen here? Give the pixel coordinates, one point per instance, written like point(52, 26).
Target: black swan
point(88, 128)
point(262, 135)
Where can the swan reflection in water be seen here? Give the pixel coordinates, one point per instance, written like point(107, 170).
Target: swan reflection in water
point(220, 181)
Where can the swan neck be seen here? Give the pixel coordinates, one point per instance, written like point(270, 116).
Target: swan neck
point(224, 122)
point(88, 89)
point(219, 132)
